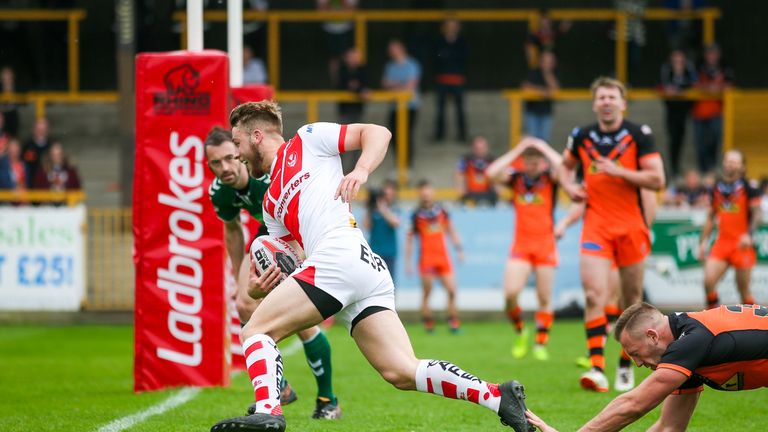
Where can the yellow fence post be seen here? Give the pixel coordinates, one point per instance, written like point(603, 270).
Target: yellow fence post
point(515, 120)
point(361, 37)
point(728, 120)
point(73, 49)
point(39, 107)
point(621, 47)
point(273, 53)
point(709, 28)
point(402, 140)
point(312, 110)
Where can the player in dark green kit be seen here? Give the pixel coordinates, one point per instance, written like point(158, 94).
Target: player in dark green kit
point(232, 190)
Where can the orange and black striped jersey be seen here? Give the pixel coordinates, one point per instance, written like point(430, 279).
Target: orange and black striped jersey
point(431, 225)
point(473, 169)
point(731, 203)
point(534, 201)
point(611, 201)
point(725, 348)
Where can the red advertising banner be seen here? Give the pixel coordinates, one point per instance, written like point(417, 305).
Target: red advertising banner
point(181, 320)
point(251, 93)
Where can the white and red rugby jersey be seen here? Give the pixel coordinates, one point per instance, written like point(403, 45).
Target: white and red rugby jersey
point(304, 178)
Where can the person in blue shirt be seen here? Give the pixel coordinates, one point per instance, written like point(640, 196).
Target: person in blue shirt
point(402, 73)
point(381, 221)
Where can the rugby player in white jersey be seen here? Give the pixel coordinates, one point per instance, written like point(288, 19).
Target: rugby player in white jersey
point(308, 203)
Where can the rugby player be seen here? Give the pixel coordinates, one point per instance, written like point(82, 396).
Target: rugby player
point(736, 209)
point(431, 224)
point(534, 195)
point(307, 204)
point(619, 159)
point(232, 190)
point(725, 348)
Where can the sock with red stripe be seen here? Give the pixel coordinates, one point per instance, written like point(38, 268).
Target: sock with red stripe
point(515, 316)
point(265, 367)
point(748, 300)
point(596, 333)
point(448, 380)
point(544, 320)
point(612, 312)
point(713, 300)
point(624, 360)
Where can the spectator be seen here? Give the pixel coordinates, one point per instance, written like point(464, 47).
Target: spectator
point(403, 73)
point(471, 181)
point(381, 220)
point(254, 71)
point(55, 172)
point(339, 34)
point(635, 29)
point(352, 77)
point(542, 80)
point(691, 193)
point(35, 148)
point(543, 39)
point(9, 109)
point(677, 75)
point(684, 33)
point(4, 136)
point(451, 75)
point(714, 78)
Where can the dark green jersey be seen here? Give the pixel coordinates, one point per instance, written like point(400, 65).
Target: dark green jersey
point(227, 201)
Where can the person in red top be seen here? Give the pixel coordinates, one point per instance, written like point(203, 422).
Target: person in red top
point(736, 206)
point(707, 115)
point(618, 158)
point(724, 348)
point(534, 194)
point(430, 222)
point(471, 181)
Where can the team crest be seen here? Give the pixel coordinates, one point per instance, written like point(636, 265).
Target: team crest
point(292, 158)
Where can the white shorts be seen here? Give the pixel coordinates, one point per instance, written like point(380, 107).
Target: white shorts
point(343, 277)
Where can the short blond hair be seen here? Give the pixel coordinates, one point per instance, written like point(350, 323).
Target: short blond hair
point(608, 82)
point(265, 114)
point(633, 318)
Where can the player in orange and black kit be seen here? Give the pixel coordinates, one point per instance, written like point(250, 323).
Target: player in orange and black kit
point(474, 186)
point(724, 348)
point(736, 205)
point(430, 222)
point(619, 158)
point(534, 194)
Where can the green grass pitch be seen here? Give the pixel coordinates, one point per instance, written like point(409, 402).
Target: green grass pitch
point(78, 378)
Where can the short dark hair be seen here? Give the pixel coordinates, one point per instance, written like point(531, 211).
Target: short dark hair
point(217, 136)
point(267, 113)
point(631, 317)
point(423, 183)
point(389, 183)
point(608, 82)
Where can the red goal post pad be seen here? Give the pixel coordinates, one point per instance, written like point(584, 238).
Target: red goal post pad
point(181, 321)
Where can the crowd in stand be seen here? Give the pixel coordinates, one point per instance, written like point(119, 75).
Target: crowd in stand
point(40, 163)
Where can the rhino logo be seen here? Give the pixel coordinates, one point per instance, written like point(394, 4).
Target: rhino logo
point(181, 95)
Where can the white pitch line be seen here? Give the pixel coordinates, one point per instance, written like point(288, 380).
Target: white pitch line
point(183, 396)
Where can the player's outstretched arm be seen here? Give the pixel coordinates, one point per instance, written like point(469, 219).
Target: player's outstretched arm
point(676, 413)
point(634, 404)
point(373, 140)
point(234, 241)
point(575, 212)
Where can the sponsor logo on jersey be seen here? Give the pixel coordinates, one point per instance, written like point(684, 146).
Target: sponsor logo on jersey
point(292, 158)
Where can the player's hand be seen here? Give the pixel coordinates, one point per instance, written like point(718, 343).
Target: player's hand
point(575, 191)
point(701, 253)
point(460, 255)
point(350, 184)
point(539, 423)
point(607, 166)
point(745, 241)
point(559, 231)
point(260, 286)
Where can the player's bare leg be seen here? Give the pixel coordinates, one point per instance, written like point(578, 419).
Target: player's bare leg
point(595, 273)
point(714, 270)
point(516, 274)
point(544, 317)
point(269, 324)
point(426, 312)
point(743, 279)
point(631, 281)
point(613, 306)
point(449, 282)
point(384, 342)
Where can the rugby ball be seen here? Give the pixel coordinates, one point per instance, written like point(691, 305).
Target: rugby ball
point(266, 250)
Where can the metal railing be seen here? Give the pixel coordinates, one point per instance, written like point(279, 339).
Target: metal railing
point(110, 278)
point(39, 196)
point(73, 18)
point(361, 18)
